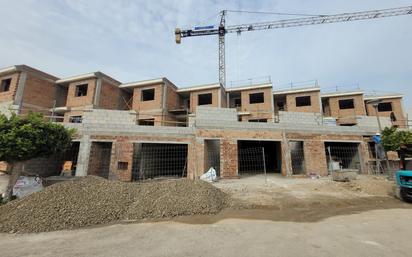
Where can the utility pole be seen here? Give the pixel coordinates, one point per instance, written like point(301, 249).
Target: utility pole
point(375, 104)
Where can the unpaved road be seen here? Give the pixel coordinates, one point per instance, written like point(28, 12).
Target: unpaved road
point(267, 217)
point(373, 233)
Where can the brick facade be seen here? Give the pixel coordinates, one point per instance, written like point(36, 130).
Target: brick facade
point(9, 95)
point(194, 97)
point(397, 109)
point(79, 101)
point(315, 105)
point(347, 116)
point(257, 110)
point(110, 97)
point(168, 106)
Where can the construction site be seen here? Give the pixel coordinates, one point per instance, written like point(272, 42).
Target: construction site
point(151, 150)
point(148, 129)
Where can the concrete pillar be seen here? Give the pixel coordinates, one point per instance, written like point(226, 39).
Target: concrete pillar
point(18, 99)
point(83, 156)
point(192, 165)
point(315, 157)
point(363, 149)
point(97, 91)
point(286, 168)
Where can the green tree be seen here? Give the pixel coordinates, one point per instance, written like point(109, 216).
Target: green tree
point(28, 137)
point(394, 139)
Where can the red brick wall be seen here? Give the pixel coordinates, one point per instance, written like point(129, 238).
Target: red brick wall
point(228, 158)
point(173, 99)
point(109, 96)
point(139, 105)
point(122, 151)
point(194, 98)
point(347, 115)
point(73, 101)
point(314, 98)
point(396, 108)
point(39, 91)
point(258, 110)
point(9, 95)
point(315, 157)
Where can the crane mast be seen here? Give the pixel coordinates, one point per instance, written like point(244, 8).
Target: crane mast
point(222, 29)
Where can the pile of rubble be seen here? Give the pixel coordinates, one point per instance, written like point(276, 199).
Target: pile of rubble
point(93, 200)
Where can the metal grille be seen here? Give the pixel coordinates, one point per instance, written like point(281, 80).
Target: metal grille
point(159, 160)
point(251, 161)
point(343, 157)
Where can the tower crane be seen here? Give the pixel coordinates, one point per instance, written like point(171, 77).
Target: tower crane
point(222, 29)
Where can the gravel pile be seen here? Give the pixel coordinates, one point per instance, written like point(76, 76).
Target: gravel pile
point(93, 200)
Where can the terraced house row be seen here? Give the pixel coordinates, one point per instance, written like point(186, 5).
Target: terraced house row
point(152, 128)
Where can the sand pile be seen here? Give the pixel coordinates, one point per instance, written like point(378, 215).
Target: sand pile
point(93, 200)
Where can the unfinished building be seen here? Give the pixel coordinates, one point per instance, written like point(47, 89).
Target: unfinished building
point(149, 129)
point(24, 89)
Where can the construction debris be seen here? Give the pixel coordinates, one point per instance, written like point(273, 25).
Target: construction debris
point(93, 200)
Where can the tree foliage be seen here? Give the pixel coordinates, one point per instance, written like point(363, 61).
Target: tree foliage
point(28, 137)
point(393, 139)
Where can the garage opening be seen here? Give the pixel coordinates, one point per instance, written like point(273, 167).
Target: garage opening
point(212, 155)
point(70, 157)
point(255, 156)
point(99, 160)
point(159, 160)
point(343, 156)
point(297, 157)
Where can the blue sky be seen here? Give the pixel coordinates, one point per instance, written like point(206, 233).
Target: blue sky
point(134, 40)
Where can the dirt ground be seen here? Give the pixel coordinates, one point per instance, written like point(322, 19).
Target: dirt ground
point(276, 216)
point(373, 233)
point(278, 198)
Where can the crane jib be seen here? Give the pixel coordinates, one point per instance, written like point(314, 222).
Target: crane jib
point(194, 33)
point(279, 24)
